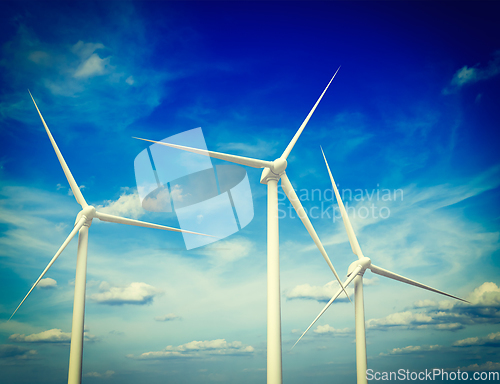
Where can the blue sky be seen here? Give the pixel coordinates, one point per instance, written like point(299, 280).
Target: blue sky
point(414, 108)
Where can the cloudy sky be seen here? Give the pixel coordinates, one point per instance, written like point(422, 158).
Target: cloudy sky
point(410, 129)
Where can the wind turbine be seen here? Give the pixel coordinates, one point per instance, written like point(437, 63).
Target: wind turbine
point(355, 272)
point(82, 224)
point(273, 171)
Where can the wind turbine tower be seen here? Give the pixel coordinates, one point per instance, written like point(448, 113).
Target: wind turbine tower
point(82, 224)
point(355, 273)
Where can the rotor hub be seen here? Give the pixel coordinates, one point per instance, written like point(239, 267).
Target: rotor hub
point(89, 213)
point(364, 262)
point(279, 166)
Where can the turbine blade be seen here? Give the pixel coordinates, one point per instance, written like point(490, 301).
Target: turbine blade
point(345, 218)
point(122, 220)
point(346, 283)
point(394, 276)
point(72, 183)
point(299, 132)
point(297, 205)
point(77, 227)
point(248, 161)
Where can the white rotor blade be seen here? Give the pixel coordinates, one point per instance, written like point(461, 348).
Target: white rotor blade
point(72, 183)
point(122, 220)
point(297, 205)
point(297, 135)
point(345, 218)
point(394, 276)
point(77, 227)
point(248, 161)
point(346, 283)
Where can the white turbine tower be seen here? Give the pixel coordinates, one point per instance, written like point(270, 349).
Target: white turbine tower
point(273, 171)
point(355, 272)
point(82, 224)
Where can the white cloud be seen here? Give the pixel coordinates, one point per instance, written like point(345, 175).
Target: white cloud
point(198, 349)
point(413, 350)
point(464, 75)
point(101, 375)
point(327, 329)
point(492, 340)
point(47, 283)
point(91, 81)
point(323, 293)
point(424, 303)
point(449, 326)
point(50, 336)
point(158, 201)
point(469, 75)
point(484, 307)
point(85, 50)
point(401, 319)
point(448, 315)
point(93, 66)
point(224, 252)
point(488, 294)
point(177, 194)
point(128, 205)
point(488, 366)
point(168, 317)
point(135, 293)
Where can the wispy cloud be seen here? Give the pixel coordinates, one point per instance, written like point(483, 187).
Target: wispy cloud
point(91, 64)
point(223, 253)
point(418, 222)
point(324, 293)
point(474, 74)
point(488, 367)
point(198, 349)
point(405, 319)
point(168, 317)
point(50, 336)
point(104, 375)
point(319, 293)
point(492, 340)
point(411, 350)
point(327, 329)
point(72, 73)
point(260, 149)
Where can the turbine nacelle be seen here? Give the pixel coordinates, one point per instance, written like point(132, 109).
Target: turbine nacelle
point(88, 213)
point(365, 263)
point(275, 171)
